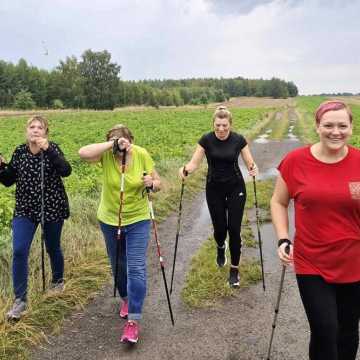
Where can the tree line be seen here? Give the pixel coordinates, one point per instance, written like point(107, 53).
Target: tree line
point(94, 82)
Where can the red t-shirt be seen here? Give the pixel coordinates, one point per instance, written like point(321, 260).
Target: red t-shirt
point(327, 214)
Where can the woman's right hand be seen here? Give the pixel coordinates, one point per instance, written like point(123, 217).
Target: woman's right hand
point(124, 144)
point(183, 173)
point(285, 255)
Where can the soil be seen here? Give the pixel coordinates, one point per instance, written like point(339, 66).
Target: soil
point(238, 327)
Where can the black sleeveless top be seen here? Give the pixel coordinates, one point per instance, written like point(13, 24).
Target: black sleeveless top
point(222, 156)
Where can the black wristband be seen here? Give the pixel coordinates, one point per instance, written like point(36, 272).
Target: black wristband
point(282, 241)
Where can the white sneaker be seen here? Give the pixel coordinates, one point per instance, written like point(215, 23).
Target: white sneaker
point(57, 288)
point(18, 309)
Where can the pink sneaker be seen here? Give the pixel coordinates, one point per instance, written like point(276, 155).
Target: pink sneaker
point(131, 333)
point(124, 309)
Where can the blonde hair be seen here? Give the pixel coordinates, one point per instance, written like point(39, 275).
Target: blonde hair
point(118, 131)
point(42, 120)
point(222, 112)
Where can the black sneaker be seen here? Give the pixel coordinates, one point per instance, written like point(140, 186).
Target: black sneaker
point(234, 278)
point(221, 255)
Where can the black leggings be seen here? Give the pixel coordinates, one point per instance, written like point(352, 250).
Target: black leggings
point(333, 311)
point(226, 203)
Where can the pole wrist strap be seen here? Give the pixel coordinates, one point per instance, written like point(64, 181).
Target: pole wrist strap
point(282, 241)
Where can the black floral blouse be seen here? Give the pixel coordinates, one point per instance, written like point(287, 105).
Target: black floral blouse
point(24, 169)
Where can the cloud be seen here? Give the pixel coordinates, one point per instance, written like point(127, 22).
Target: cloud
point(313, 43)
point(235, 7)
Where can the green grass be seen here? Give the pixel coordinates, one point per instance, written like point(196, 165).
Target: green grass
point(205, 283)
point(48, 311)
point(306, 125)
point(279, 125)
point(264, 190)
point(169, 135)
point(247, 235)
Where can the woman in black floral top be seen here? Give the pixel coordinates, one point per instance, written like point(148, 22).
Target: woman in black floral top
point(24, 170)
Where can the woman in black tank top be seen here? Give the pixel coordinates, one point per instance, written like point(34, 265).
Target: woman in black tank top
point(225, 186)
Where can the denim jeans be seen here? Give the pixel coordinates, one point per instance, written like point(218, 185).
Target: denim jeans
point(131, 283)
point(23, 233)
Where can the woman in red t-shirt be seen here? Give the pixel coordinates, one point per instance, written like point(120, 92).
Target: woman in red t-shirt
point(324, 181)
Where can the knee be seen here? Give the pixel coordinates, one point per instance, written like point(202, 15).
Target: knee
point(137, 270)
point(220, 234)
point(350, 332)
point(234, 235)
point(20, 252)
point(54, 251)
point(325, 331)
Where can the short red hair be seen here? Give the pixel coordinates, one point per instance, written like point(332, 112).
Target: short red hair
point(331, 105)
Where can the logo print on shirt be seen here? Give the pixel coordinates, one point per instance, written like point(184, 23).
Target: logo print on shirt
point(354, 190)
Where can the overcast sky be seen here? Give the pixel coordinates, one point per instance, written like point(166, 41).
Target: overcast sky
point(314, 43)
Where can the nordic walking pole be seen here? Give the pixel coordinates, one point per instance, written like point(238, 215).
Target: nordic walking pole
point(161, 259)
point(42, 221)
point(259, 234)
point(178, 229)
point(118, 234)
point(287, 250)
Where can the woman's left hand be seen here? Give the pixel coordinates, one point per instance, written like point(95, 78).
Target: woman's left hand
point(253, 171)
point(148, 181)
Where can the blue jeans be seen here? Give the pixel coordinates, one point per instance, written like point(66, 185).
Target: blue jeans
point(131, 282)
point(23, 233)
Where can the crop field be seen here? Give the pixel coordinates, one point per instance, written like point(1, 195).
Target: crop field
point(168, 135)
point(307, 106)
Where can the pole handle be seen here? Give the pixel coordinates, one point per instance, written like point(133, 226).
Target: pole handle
point(116, 148)
point(147, 188)
point(287, 249)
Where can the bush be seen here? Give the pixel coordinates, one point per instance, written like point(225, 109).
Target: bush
point(58, 104)
point(24, 101)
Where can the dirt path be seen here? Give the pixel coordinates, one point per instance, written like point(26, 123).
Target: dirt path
point(238, 328)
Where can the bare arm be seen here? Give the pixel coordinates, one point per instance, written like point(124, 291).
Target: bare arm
point(249, 161)
point(195, 161)
point(279, 213)
point(93, 152)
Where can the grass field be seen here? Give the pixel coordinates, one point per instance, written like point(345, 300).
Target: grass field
point(307, 105)
point(170, 135)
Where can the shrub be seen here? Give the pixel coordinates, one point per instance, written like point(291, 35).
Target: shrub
point(23, 100)
point(58, 104)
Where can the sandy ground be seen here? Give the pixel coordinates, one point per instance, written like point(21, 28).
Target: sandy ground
point(249, 102)
point(239, 327)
